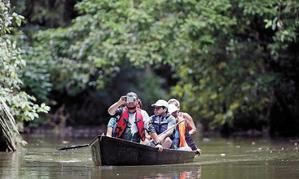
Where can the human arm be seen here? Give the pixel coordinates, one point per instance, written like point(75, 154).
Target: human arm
point(151, 131)
point(157, 141)
point(153, 134)
point(170, 128)
point(112, 109)
point(111, 125)
point(146, 120)
point(190, 123)
point(109, 132)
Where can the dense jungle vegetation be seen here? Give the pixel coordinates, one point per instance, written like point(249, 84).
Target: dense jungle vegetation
point(233, 64)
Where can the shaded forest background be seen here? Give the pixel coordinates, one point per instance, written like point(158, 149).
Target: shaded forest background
point(233, 64)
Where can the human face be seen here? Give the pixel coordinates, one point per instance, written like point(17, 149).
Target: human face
point(132, 104)
point(159, 110)
point(175, 114)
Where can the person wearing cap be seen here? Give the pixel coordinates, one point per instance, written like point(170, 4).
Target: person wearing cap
point(159, 124)
point(190, 126)
point(129, 121)
point(179, 140)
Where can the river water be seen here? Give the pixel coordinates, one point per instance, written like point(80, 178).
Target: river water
point(221, 159)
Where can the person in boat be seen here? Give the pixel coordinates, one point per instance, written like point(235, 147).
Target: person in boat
point(159, 124)
point(179, 140)
point(129, 121)
point(190, 126)
point(113, 120)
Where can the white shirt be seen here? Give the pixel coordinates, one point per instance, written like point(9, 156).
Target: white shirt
point(132, 117)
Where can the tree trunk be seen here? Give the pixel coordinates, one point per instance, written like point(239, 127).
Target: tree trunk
point(9, 134)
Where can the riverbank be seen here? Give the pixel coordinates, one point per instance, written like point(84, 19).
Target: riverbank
point(67, 132)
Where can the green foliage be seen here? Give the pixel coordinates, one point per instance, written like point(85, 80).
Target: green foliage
point(36, 74)
point(22, 105)
point(90, 107)
point(227, 54)
point(49, 13)
point(237, 77)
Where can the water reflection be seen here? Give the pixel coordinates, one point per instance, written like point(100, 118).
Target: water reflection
point(222, 159)
point(8, 160)
point(149, 172)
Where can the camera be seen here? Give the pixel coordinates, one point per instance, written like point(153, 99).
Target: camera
point(130, 99)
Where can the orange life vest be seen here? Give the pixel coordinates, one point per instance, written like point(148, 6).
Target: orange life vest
point(123, 120)
point(182, 133)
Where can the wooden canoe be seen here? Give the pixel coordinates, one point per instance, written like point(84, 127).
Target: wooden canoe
point(115, 151)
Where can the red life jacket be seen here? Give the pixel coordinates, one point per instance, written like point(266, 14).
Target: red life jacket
point(123, 120)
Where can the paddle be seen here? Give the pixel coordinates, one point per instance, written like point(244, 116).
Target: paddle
point(78, 146)
point(73, 147)
point(171, 127)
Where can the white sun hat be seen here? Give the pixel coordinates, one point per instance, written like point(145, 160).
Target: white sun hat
point(161, 103)
point(172, 108)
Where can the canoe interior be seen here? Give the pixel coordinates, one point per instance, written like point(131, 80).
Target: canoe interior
point(113, 151)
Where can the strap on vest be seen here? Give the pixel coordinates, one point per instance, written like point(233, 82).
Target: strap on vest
point(123, 121)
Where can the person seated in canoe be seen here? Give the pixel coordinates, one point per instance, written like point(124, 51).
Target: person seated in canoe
point(129, 120)
point(113, 120)
point(179, 140)
point(161, 125)
point(190, 126)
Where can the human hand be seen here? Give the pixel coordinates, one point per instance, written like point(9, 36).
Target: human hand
point(198, 152)
point(122, 100)
point(160, 147)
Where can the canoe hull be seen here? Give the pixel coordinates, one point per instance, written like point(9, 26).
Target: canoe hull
point(113, 151)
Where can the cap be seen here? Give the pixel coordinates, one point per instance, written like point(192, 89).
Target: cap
point(172, 108)
point(161, 103)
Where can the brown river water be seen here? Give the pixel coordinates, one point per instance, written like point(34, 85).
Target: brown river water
point(221, 159)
